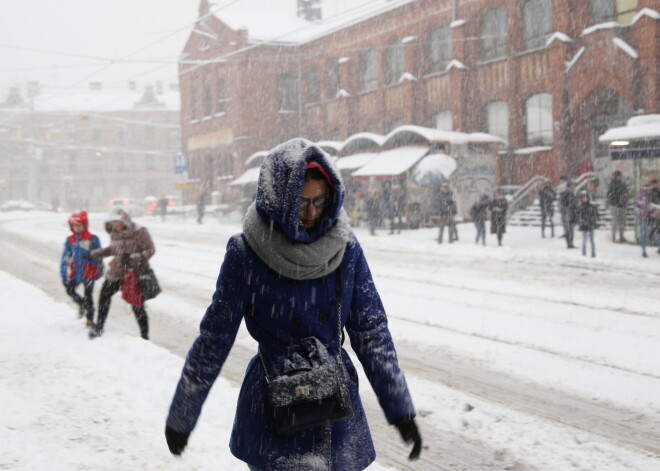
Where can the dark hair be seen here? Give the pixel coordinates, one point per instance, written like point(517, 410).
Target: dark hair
point(314, 174)
point(617, 173)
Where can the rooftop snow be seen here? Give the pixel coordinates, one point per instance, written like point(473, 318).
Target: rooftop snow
point(105, 100)
point(283, 28)
point(558, 36)
point(599, 26)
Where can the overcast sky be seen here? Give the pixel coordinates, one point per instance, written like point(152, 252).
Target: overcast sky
point(64, 43)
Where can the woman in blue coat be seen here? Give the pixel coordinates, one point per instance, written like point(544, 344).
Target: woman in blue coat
point(294, 274)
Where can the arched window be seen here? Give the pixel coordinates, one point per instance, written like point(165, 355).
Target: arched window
point(493, 34)
point(537, 23)
point(444, 120)
point(538, 111)
point(497, 119)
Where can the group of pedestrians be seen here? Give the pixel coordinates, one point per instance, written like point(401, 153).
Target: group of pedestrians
point(498, 206)
point(81, 264)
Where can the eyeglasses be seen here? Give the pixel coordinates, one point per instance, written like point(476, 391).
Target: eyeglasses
point(319, 202)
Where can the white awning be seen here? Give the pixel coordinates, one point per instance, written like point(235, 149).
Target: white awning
point(391, 163)
point(251, 175)
point(355, 161)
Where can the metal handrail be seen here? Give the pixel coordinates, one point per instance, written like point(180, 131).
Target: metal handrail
point(522, 193)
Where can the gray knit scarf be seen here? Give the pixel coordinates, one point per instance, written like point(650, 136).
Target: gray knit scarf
point(294, 259)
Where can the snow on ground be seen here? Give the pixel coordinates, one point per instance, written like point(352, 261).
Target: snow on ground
point(72, 404)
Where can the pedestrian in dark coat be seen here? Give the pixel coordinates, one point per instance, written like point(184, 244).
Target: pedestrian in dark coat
point(568, 206)
point(76, 270)
point(444, 207)
point(374, 213)
point(498, 207)
point(201, 206)
point(617, 200)
point(131, 247)
point(163, 203)
point(587, 221)
point(281, 275)
point(644, 214)
point(547, 198)
point(479, 213)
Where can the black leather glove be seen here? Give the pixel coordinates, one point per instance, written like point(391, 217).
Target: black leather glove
point(410, 434)
point(176, 441)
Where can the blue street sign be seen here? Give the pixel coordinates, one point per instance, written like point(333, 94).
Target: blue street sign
point(180, 163)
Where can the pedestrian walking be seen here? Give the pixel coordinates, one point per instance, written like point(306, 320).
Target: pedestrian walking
point(547, 198)
point(587, 221)
point(444, 206)
point(479, 213)
point(568, 206)
point(654, 231)
point(132, 247)
point(163, 203)
point(396, 210)
point(617, 200)
point(201, 206)
point(76, 270)
point(498, 207)
point(644, 214)
point(298, 277)
point(374, 213)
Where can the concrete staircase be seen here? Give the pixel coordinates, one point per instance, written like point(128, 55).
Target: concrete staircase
point(531, 216)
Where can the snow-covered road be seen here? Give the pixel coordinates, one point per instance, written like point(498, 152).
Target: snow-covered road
point(526, 357)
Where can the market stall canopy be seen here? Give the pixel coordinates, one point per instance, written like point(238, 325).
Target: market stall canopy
point(355, 161)
point(331, 147)
point(412, 135)
point(433, 169)
point(251, 175)
point(362, 142)
point(256, 159)
point(391, 163)
point(640, 139)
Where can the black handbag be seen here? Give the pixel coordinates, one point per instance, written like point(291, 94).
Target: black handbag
point(310, 397)
point(149, 286)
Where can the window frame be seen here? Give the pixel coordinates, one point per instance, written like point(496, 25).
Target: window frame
point(539, 130)
point(437, 60)
point(368, 70)
point(395, 62)
point(493, 44)
point(285, 93)
point(537, 24)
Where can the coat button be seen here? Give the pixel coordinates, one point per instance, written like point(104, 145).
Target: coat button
point(323, 317)
point(297, 322)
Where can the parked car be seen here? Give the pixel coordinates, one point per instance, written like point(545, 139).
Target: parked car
point(173, 206)
point(16, 205)
point(127, 204)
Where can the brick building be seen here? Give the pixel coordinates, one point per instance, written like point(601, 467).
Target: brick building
point(84, 147)
point(548, 76)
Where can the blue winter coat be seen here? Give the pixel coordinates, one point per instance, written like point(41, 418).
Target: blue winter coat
point(73, 266)
point(278, 313)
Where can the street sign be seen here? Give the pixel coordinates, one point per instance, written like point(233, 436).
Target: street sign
point(634, 150)
point(180, 164)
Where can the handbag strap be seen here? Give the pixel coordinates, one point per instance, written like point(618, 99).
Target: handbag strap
point(339, 328)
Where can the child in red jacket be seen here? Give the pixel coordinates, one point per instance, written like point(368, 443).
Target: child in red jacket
point(75, 270)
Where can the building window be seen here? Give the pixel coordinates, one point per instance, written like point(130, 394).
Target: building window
point(441, 49)
point(493, 34)
point(122, 133)
point(395, 62)
point(71, 163)
point(150, 162)
point(193, 100)
point(369, 70)
point(208, 99)
point(313, 85)
point(497, 119)
point(602, 10)
point(285, 92)
point(149, 133)
point(444, 120)
point(96, 133)
point(222, 100)
point(333, 79)
point(538, 110)
point(537, 23)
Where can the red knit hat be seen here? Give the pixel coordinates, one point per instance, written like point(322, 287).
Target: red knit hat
point(79, 217)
